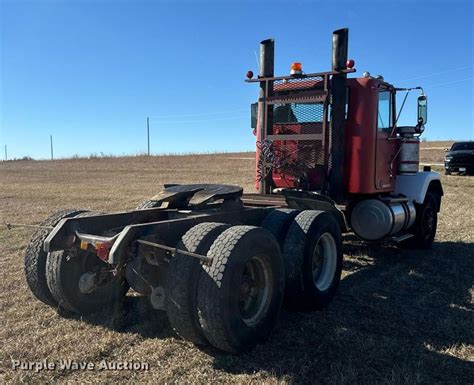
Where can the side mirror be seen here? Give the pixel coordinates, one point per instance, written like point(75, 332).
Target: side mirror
point(253, 115)
point(422, 109)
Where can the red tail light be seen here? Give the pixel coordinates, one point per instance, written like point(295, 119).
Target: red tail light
point(103, 250)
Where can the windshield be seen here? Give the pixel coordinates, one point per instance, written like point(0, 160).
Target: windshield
point(463, 146)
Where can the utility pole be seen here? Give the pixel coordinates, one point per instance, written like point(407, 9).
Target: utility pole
point(148, 133)
point(51, 142)
point(6, 156)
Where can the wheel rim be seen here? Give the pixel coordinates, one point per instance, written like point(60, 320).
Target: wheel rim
point(255, 290)
point(324, 261)
point(88, 263)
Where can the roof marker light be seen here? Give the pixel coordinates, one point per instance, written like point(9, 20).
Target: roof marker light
point(350, 64)
point(296, 68)
point(249, 74)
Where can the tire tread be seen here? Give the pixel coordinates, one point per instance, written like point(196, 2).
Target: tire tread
point(183, 278)
point(35, 257)
point(208, 302)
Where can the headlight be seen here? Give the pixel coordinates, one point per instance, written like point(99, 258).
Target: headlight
point(448, 158)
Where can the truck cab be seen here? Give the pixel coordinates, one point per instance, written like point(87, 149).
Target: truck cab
point(337, 137)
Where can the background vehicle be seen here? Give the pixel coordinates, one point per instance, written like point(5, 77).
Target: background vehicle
point(460, 158)
point(330, 159)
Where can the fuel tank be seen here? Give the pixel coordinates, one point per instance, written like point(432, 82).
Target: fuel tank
point(376, 219)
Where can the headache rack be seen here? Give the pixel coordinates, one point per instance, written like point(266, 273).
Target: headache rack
point(293, 138)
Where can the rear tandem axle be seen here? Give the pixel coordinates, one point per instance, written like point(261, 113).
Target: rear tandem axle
point(221, 264)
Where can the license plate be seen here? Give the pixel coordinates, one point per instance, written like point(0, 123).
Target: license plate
point(462, 168)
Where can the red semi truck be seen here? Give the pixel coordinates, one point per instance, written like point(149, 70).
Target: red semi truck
point(331, 159)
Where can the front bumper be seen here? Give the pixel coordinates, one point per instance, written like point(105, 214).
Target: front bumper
point(457, 166)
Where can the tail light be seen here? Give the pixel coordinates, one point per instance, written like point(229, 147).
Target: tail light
point(103, 250)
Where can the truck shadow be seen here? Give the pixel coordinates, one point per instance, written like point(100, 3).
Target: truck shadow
point(136, 316)
point(397, 317)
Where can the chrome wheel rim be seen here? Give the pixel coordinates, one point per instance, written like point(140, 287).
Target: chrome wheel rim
point(255, 290)
point(324, 262)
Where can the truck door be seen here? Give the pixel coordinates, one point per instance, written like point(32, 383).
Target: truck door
point(386, 149)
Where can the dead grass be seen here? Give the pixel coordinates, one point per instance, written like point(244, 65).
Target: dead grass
point(433, 152)
point(399, 317)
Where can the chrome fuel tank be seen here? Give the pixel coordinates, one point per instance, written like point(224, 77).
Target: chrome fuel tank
point(375, 219)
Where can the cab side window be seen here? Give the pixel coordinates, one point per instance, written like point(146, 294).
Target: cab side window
point(384, 118)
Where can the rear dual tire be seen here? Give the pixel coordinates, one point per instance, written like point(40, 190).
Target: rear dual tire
point(53, 277)
point(182, 280)
point(278, 221)
point(312, 253)
point(63, 273)
point(240, 293)
point(234, 302)
point(35, 258)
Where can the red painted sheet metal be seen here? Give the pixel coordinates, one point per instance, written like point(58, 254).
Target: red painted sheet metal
point(361, 139)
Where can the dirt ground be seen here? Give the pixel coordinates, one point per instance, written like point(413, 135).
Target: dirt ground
point(399, 317)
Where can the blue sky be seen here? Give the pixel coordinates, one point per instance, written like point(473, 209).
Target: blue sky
point(90, 72)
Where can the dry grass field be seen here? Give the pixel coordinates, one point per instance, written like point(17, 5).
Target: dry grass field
point(399, 317)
